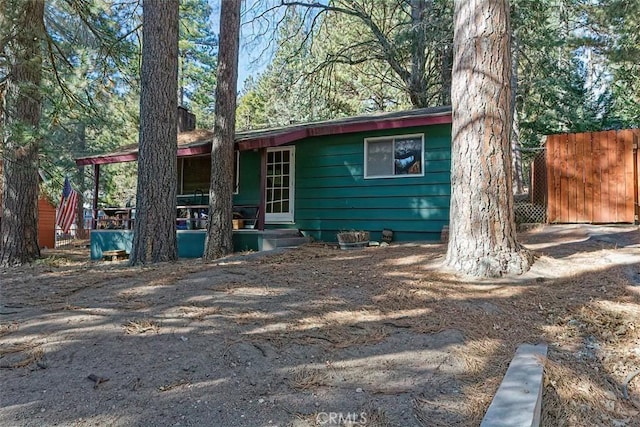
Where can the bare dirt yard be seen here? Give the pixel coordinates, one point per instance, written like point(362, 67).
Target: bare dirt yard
point(316, 336)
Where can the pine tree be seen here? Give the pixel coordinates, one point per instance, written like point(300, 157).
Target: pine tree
point(22, 35)
point(219, 239)
point(482, 229)
point(155, 225)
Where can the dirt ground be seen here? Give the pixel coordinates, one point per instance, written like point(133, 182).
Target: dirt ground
point(316, 336)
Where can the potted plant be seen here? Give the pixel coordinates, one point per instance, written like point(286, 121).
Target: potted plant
point(353, 239)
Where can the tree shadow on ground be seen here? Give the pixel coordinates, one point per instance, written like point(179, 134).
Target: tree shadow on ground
point(290, 338)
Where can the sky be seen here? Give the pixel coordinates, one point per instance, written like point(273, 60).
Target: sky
point(255, 52)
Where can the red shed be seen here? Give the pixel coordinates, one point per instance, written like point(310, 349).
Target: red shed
point(46, 223)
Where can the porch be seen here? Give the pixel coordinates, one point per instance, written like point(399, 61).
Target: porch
point(191, 242)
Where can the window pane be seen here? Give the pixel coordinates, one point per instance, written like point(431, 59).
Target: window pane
point(408, 156)
point(379, 158)
point(285, 206)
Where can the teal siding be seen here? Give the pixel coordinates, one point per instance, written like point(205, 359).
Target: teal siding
point(109, 240)
point(331, 193)
point(190, 242)
point(249, 179)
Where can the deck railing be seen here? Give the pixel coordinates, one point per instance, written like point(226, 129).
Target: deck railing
point(188, 217)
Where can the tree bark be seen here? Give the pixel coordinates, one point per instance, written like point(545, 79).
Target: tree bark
point(21, 138)
point(446, 58)
point(219, 240)
point(482, 231)
point(516, 147)
point(417, 85)
point(80, 181)
point(155, 224)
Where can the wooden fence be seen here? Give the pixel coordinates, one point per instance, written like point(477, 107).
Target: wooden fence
point(592, 177)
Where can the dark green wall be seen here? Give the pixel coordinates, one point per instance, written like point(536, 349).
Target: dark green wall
point(331, 193)
point(249, 181)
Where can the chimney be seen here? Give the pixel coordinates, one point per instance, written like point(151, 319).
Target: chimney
point(186, 120)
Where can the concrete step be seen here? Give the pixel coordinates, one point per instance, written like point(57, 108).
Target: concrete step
point(268, 243)
point(518, 401)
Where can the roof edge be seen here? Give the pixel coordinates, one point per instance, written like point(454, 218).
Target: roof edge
point(256, 139)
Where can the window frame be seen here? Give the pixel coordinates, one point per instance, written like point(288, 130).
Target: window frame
point(284, 217)
point(393, 139)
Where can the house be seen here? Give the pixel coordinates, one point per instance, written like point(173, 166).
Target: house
point(385, 171)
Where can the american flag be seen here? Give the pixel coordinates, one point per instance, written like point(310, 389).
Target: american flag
point(68, 207)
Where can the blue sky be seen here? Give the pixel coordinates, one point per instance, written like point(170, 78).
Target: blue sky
point(255, 53)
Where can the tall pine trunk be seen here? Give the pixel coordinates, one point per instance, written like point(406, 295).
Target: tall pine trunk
point(219, 240)
point(155, 224)
point(21, 137)
point(516, 147)
point(80, 182)
point(482, 233)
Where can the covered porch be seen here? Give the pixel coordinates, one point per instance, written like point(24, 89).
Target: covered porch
point(112, 226)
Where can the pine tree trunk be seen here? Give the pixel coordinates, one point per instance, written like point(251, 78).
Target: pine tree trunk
point(417, 84)
point(446, 58)
point(19, 226)
point(482, 231)
point(80, 182)
point(516, 147)
point(219, 240)
point(155, 224)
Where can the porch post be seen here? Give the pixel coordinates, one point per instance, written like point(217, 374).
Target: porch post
point(96, 180)
point(263, 188)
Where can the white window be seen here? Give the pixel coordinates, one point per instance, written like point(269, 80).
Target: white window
point(394, 156)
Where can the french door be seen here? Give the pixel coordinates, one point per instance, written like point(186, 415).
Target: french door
point(280, 184)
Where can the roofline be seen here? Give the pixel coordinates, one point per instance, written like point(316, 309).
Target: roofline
point(252, 140)
point(332, 128)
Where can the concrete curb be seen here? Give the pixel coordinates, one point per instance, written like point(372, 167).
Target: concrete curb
point(518, 401)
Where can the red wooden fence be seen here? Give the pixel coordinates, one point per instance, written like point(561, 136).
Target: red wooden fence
point(592, 177)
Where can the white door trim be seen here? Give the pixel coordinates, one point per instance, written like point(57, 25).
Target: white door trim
point(283, 217)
